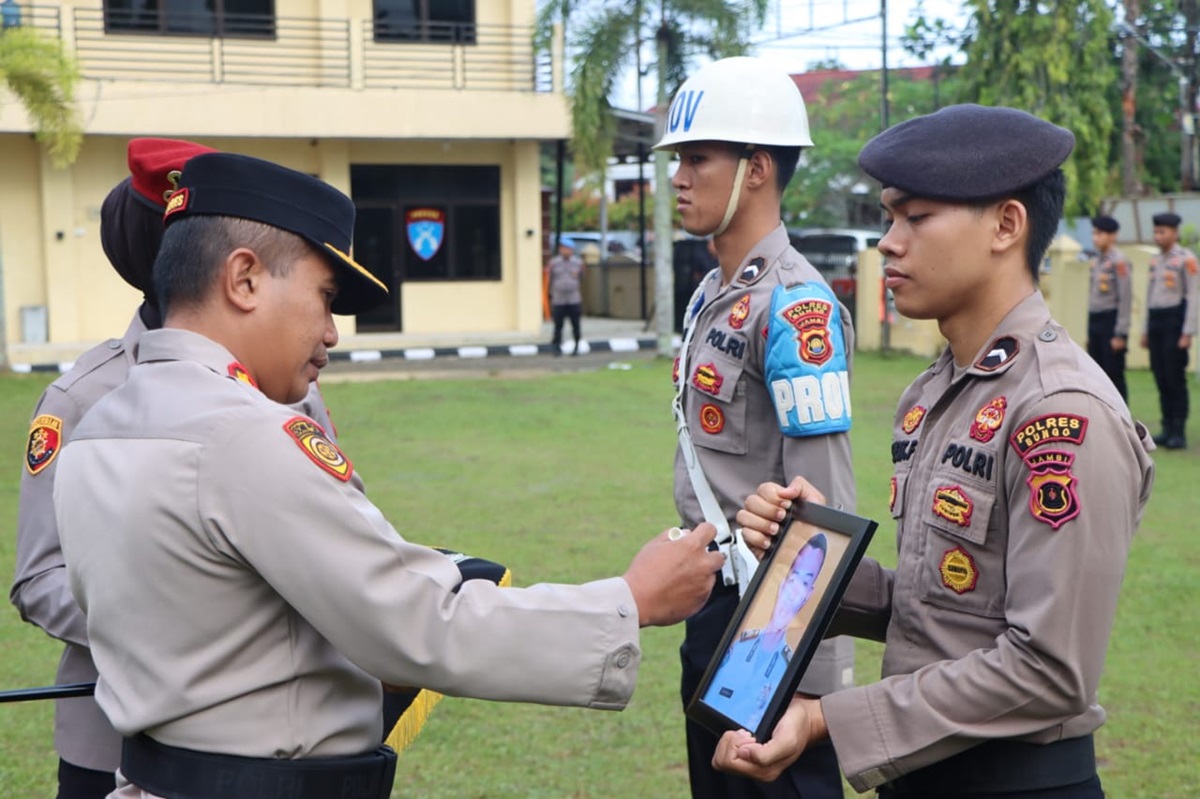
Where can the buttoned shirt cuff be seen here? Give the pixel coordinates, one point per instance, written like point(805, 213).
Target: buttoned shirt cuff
point(619, 675)
point(858, 738)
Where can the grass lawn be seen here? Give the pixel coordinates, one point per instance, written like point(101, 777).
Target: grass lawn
point(562, 477)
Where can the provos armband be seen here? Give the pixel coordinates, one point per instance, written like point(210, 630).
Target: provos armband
point(806, 367)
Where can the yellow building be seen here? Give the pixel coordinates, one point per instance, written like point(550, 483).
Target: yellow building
point(423, 111)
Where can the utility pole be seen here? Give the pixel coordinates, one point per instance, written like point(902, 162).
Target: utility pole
point(1131, 184)
point(1187, 98)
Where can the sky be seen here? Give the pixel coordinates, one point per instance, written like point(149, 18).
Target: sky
point(800, 32)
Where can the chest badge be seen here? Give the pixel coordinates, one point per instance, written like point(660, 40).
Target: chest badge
point(712, 419)
point(741, 310)
point(238, 372)
point(912, 419)
point(989, 419)
point(45, 440)
point(811, 320)
point(708, 379)
point(323, 452)
point(953, 505)
point(1052, 497)
point(958, 570)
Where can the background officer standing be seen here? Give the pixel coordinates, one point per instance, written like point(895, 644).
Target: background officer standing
point(1171, 304)
point(273, 597)
point(762, 380)
point(564, 274)
point(1109, 300)
point(1021, 486)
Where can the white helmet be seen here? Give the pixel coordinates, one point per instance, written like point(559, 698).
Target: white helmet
point(743, 100)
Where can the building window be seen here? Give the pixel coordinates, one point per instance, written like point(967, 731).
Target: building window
point(425, 21)
point(224, 18)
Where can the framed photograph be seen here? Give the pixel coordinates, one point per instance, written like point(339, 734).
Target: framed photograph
point(780, 621)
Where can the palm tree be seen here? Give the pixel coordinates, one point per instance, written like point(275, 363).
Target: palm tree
point(42, 76)
point(606, 37)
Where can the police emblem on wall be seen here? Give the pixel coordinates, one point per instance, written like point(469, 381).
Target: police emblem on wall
point(1052, 497)
point(309, 436)
point(811, 320)
point(426, 228)
point(45, 440)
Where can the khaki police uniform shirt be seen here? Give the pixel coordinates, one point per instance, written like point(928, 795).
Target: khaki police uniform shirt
point(244, 597)
point(726, 376)
point(1018, 487)
point(1174, 279)
point(1109, 287)
point(40, 591)
point(566, 276)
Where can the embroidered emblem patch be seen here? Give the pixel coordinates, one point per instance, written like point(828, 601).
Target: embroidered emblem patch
point(892, 495)
point(811, 320)
point(675, 372)
point(741, 309)
point(912, 419)
point(708, 379)
point(1191, 266)
point(426, 229)
point(1044, 429)
point(989, 419)
point(953, 504)
point(238, 372)
point(1122, 269)
point(323, 452)
point(1001, 351)
point(176, 203)
point(1052, 497)
point(752, 269)
point(45, 440)
point(712, 418)
point(958, 570)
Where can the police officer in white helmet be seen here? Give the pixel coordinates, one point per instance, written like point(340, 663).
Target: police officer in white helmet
point(762, 380)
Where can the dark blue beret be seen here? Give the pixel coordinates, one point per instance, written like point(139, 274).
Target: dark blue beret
point(227, 184)
point(1106, 224)
point(1167, 220)
point(966, 152)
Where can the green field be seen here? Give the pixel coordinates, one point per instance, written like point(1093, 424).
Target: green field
point(561, 477)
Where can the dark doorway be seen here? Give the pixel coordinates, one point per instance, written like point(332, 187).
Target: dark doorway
point(374, 248)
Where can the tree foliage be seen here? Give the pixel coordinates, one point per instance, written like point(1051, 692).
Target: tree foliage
point(43, 76)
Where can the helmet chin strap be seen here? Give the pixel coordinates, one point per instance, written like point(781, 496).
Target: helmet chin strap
point(731, 208)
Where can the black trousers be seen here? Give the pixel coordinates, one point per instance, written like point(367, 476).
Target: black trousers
point(1101, 326)
point(1089, 789)
point(814, 776)
point(559, 313)
point(1168, 361)
point(76, 782)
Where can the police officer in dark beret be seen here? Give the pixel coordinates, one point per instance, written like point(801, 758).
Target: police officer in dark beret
point(1019, 486)
point(1171, 304)
point(1110, 297)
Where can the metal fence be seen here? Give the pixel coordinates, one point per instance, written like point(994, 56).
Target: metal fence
point(246, 49)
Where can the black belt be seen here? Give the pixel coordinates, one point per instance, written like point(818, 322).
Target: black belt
point(1105, 314)
point(175, 773)
point(1003, 766)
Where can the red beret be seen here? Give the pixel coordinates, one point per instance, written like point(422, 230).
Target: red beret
point(155, 165)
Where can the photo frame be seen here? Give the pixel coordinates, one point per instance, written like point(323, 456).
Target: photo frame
point(780, 621)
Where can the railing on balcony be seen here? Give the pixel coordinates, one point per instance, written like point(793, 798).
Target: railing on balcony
point(290, 51)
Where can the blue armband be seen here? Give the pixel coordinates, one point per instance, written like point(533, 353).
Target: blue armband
point(806, 367)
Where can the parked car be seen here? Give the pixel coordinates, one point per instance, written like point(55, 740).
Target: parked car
point(834, 252)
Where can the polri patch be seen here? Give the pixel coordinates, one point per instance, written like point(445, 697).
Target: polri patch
point(45, 440)
point(1001, 351)
point(712, 418)
point(309, 436)
point(741, 310)
point(958, 570)
point(239, 372)
point(1066, 427)
point(988, 420)
point(708, 379)
point(953, 505)
point(1052, 497)
point(810, 317)
point(912, 419)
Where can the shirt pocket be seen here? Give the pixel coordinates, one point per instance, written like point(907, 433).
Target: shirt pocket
point(717, 411)
point(963, 565)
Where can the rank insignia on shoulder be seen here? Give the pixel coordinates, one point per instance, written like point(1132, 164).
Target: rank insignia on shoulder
point(953, 505)
point(712, 418)
point(1044, 429)
point(958, 570)
point(752, 270)
point(1001, 351)
point(239, 372)
point(741, 310)
point(912, 419)
point(1052, 497)
point(45, 440)
point(988, 420)
point(708, 379)
point(309, 436)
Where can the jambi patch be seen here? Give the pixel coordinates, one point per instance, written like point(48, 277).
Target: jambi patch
point(1052, 497)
